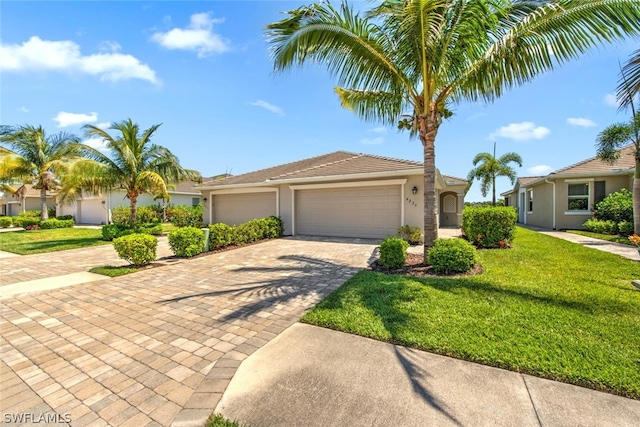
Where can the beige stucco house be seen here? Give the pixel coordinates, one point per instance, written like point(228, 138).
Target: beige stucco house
point(23, 198)
point(565, 198)
point(96, 209)
point(338, 194)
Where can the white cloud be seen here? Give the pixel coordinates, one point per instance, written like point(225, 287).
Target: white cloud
point(380, 129)
point(109, 46)
point(581, 121)
point(23, 109)
point(372, 141)
point(198, 36)
point(97, 143)
point(521, 131)
point(610, 100)
point(103, 125)
point(540, 170)
point(65, 56)
point(270, 107)
point(65, 119)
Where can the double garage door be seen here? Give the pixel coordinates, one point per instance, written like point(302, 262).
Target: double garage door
point(368, 212)
point(365, 212)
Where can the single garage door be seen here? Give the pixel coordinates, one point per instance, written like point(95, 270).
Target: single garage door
point(91, 212)
point(234, 209)
point(368, 212)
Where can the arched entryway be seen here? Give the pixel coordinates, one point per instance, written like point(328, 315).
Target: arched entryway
point(449, 210)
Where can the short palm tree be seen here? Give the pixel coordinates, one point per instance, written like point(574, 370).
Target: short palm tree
point(134, 164)
point(490, 168)
point(417, 57)
point(32, 157)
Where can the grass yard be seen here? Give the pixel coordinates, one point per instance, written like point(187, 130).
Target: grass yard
point(607, 237)
point(39, 241)
point(546, 307)
point(113, 271)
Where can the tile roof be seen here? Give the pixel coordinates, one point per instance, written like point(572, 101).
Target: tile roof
point(332, 164)
point(453, 180)
point(523, 181)
point(594, 165)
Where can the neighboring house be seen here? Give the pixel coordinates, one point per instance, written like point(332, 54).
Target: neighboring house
point(23, 198)
point(565, 198)
point(337, 194)
point(96, 209)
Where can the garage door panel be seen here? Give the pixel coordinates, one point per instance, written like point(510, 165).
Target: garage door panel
point(91, 212)
point(349, 212)
point(234, 209)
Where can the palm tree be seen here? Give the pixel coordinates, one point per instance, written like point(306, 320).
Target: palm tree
point(490, 168)
point(420, 56)
point(33, 158)
point(629, 85)
point(134, 165)
point(611, 139)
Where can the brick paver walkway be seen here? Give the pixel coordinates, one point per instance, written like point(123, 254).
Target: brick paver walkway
point(41, 266)
point(159, 347)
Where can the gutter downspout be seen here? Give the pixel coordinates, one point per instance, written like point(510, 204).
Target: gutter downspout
point(554, 201)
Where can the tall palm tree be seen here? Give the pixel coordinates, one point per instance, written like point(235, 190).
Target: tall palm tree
point(134, 164)
point(490, 168)
point(33, 158)
point(418, 57)
point(629, 85)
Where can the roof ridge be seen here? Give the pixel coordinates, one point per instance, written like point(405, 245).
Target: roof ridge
point(585, 161)
point(394, 159)
point(454, 177)
point(354, 156)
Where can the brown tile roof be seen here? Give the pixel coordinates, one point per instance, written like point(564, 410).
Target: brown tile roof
point(184, 187)
point(523, 181)
point(332, 164)
point(453, 180)
point(594, 165)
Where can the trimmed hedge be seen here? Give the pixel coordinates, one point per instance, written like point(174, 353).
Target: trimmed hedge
point(113, 231)
point(411, 233)
point(56, 223)
point(26, 221)
point(489, 227)
point(186, 216)
point(186, 241)
point(222, 235)
point(625, 228)
point(5, 221)
point(600, 226)
point(64, 217)
point(138, 249)
point(393, 252)
point(452, 256)
point(144, 214)
point(615, 207)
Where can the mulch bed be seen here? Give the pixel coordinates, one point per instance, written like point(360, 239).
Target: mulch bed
point(414, 267)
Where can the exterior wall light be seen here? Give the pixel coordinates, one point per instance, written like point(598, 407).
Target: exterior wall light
point(414, 190)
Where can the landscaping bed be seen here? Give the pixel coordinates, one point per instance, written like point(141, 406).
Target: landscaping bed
point(545, 307)
point(414, 266)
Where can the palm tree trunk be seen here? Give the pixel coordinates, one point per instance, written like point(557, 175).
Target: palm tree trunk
point(493, 184)
point(44, 213)
point(428, 129)
point(133, 199)
point(636, 198)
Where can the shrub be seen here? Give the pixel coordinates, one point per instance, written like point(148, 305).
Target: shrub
point(56, 223)
point(186, 241)
point(393, 252)
point(487, 227)
point(452, 256)
point(5, 221)
point(138, 249)
point(220, 235)
point(275, 227)
point(615, 207)
point(410, 233)
point(111, 231)
point(120, 215)
point(30, 214)
point(186, 216)
point(153, 229)
point(26, 221)
point(144, 214)
point(600, 226)
point(625, 228)
point(64, 217)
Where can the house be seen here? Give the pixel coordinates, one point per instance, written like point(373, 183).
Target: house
point(22, 197)
point(337, 194)
point(96, 209)
point(565, 198)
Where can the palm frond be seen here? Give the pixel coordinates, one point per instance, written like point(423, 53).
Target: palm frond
point(629, 84)
point(378, 106)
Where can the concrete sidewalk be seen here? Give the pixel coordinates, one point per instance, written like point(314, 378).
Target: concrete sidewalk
point(627, 251)
point(313, 376)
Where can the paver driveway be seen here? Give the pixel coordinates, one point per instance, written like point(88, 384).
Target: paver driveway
point(158, 347)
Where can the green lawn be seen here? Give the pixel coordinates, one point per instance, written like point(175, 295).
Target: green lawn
point(607, 237)
point(218, 420)
point(39, 241)
point(113, 271)
point(546, 307)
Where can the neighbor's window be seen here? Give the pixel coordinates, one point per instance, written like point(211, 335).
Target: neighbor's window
point(530, 200)
point(579, 197)
point(195, 201)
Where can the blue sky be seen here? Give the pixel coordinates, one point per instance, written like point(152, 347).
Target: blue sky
point(203, 70)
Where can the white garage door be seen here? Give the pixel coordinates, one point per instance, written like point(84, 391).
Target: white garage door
point(369, 212)
point(234, 209)
point(91, 212)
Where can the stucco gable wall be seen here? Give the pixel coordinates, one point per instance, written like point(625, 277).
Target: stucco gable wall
point(542, 213)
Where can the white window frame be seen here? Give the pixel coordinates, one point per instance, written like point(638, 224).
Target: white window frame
point(529, 201)
point(589, 183)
